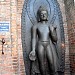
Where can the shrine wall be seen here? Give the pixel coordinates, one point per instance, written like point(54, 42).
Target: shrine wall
point(11, 62)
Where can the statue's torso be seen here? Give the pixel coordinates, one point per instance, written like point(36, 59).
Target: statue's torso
point(43, 32)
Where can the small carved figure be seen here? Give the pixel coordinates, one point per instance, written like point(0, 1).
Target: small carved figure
point(44, 37)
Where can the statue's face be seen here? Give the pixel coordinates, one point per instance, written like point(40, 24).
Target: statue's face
point(43, 15)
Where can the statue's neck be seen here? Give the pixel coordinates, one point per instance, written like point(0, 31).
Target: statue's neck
point(43, 22)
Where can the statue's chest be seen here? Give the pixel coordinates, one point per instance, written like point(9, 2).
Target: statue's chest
point(43, 29)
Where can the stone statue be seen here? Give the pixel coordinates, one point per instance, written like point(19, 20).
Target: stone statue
point(44, 40)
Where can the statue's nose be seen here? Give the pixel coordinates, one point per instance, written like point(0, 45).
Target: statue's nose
point(43, 15)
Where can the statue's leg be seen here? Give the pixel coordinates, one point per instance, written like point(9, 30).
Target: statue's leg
point(40, 54)
point(50, 60)
point(56, 60)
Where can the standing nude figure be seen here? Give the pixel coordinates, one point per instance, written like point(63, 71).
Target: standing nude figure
point(43, 38)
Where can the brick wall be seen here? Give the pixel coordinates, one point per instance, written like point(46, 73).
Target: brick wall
point(6, 59)
point(70, 15)
point(11, 62)
point(67, 60)
point(20, 53)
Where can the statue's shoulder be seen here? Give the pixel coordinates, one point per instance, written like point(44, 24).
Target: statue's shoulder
point(34, 27)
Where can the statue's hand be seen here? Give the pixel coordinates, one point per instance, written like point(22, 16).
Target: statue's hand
point(32, 56)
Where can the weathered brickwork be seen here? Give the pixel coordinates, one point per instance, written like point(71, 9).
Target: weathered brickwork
point(67, 60)
point(11, 63)
point(70, 15)
point(6, 59)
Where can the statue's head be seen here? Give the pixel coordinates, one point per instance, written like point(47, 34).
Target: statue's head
point(42, 14)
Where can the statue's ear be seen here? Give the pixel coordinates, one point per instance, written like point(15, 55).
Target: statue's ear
point(38, 19)
point(47, 18)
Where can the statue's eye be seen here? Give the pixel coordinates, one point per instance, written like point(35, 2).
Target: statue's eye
point(41, 14)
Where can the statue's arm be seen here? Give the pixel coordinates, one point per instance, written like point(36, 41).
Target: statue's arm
point(53, 33)
point(32, 54)
point(33, 37)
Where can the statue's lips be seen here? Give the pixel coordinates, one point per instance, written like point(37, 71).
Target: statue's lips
point(42, 20)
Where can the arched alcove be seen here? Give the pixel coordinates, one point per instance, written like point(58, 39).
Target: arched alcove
point(27, 19)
